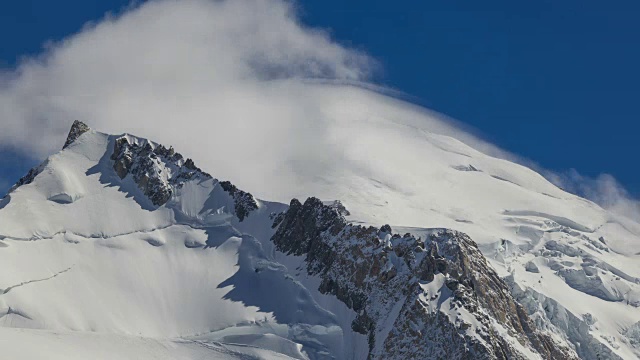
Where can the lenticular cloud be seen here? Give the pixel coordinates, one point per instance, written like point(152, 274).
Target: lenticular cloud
point(229, 82)
point(169, 65)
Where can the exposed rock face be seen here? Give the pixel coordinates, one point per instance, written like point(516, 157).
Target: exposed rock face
point(339, 206)
point(156, 169)
point(415, 299)
point(28, 179)
point(434, 297)
point(244, 201)
point(78, 128)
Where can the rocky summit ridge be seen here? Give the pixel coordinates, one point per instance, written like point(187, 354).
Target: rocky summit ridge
point(414, 298)
point(424, 294)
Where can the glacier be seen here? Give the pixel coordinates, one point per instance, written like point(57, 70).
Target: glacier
point(118, 247)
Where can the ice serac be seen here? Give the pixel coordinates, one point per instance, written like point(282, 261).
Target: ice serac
point(415, 298)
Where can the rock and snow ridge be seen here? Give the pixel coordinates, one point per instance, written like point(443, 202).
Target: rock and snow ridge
point(135, 242)
point(415, 298)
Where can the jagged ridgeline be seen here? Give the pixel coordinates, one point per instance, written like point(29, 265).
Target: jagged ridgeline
point(375, 273)
point(156, 169)
point(302, 280)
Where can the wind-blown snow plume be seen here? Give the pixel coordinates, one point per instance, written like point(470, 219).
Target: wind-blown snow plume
point(604, 189)
point(170, 65)
point(229, 77)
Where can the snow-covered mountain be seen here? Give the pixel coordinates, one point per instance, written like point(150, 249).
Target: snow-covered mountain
point(119, 247)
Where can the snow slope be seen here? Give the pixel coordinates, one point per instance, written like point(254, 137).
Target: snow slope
point(28, 344)
point(109, 261)
point(393, 168)
point(84, 252)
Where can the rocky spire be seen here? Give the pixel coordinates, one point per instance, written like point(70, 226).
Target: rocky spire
point(78, 128)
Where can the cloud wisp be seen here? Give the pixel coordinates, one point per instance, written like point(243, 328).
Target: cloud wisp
point(604, 190)
point(226, 82)
point(163, 58)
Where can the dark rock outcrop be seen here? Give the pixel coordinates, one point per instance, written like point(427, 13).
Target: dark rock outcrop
point(159, 171)
point(339, 206)
point(29, 178)
point(155, 169)
point(78, 128)
point(440, 295)
point(244, 201)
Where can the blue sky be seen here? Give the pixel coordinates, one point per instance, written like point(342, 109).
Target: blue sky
point(555, 83)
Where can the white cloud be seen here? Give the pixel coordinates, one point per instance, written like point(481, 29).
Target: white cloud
point(604, 190)
point(216, 75)
point(154, 62)
point(225, 82)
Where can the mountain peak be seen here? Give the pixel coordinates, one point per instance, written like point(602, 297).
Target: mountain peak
point(78, 128)
point(532, 279)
